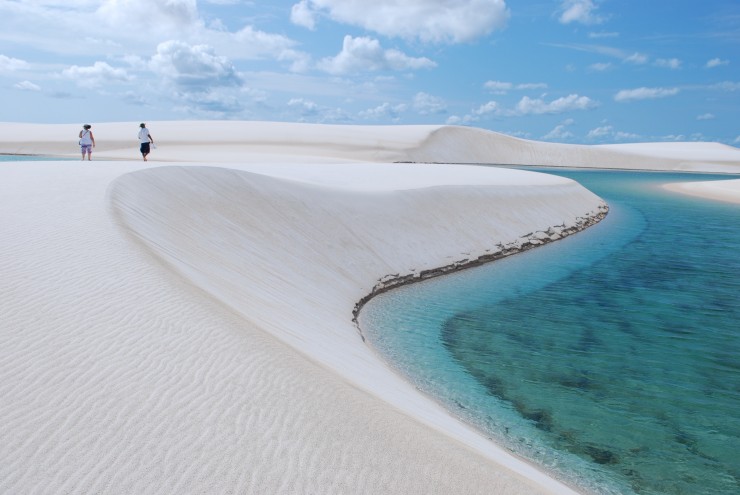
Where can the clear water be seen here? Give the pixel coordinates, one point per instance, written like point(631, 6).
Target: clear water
point(611, 358)
point(30, 158)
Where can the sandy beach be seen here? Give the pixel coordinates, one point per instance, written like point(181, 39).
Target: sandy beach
point(185, 325)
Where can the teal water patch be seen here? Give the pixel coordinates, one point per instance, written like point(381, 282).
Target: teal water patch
point(32, 158)
point(610, 358)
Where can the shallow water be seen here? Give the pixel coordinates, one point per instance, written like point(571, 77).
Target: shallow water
point(611, 358)
point(31, 158)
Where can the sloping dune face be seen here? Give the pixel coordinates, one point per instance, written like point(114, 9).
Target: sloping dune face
point(282, 251)
point(293, 257)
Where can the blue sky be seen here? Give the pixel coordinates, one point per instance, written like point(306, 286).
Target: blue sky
point(572, 71)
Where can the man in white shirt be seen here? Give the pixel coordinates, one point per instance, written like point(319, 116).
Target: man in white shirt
point(144, 140)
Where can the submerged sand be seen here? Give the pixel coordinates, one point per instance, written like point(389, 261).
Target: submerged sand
point(185, 325)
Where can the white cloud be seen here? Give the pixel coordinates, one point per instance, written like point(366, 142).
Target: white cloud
point(538, 106)
point(386, 110)
point(737, 140)
point(302, 15)
point(435, 21)
point(305, 107)
point(607, 133)
point(491, 107)
point(464, 120)
point(10, 64)
point(366, 55)
point(96, 75)
point(426, 104)
point(705, 116)
point(525, 86)
point(600, 132)
point(532, 106)
point(193, 68)
point(154, 15)
point(601, 67)
point(716, 62)
point(581, 11)
point(645, 93)
point(637, 59)
point(498, 87)
point(250, 43)
point(560, 132)
point(501, 87)
point(27, 86)
point(671, 63)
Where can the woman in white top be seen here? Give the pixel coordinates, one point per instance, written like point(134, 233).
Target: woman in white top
point(144, 140)
point(87, 141)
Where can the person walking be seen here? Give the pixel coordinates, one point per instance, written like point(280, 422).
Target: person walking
point(87, 141)
point(145, 139)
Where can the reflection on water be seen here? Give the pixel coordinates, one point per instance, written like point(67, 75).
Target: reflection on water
point(612, 358)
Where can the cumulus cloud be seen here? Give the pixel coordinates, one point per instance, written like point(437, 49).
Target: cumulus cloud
point(305, 107)
point(301, 14)
point(426, 104)
point(580, 11)
point(498, 87)
point(159, 15)
point(366, 55)
point(644, 93)
point(435, 21)
point(492, 107)
point(705, 116)
point(10, 64)
point(608, 133)
point(600, 67)
point(96, 75)
point(670, 63)
point(194, 68)
point(27, 86)
point(309, 111)
point(600, 132)
point(560, 132)
point(716, 62)
point(386, 110)
point(538, 106)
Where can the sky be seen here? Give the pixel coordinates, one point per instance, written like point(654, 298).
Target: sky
point(570, 71)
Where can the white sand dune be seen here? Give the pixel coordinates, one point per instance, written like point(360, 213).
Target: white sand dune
point(720, 190)
point(186, 327)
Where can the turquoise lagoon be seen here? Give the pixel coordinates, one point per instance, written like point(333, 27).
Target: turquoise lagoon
point(610, 358)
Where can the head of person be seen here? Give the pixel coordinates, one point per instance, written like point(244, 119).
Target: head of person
point(142, 125)
point(86, 126)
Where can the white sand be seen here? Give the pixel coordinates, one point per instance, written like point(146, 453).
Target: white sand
point(720, 190)
point(187, 328)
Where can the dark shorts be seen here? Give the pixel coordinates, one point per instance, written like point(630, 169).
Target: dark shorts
point(144, 148)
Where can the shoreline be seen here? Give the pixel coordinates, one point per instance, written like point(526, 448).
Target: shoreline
point(524, 243)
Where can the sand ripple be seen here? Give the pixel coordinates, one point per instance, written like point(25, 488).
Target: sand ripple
point(120, 375)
